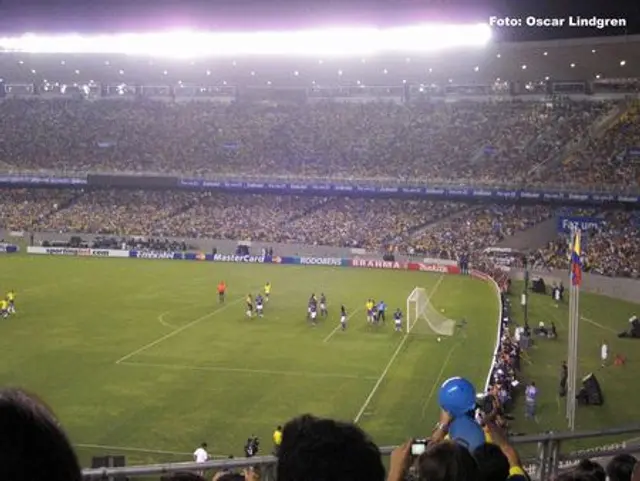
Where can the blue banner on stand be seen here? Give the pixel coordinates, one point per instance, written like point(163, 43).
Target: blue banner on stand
point(569, 224)
point(444, 192)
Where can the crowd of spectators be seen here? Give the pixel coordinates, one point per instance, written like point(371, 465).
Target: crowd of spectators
point(459, 142)
point(35, 446)
point(342, 222)
point(612, 158)
point(612, 249)
point(23, 209)
point(426, 228)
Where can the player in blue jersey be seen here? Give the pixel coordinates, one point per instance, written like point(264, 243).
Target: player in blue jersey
point(313, 301)
point(323, 306)
point(313, 312)
point(259, 305)
point(343, 318)
point(397, 318)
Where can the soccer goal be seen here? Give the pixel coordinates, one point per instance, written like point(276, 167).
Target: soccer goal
point(423, 318)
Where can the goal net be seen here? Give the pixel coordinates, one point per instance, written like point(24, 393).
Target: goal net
point(423, 318)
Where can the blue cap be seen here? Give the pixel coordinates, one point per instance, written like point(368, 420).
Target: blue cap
point(457, 396)
point(467, 432)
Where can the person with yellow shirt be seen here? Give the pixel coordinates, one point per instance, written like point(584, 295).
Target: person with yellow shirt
point(4, 309)
point(277, 440)
point(370, 314)
point(11, 298)
point(249, 301)
point(267, 291)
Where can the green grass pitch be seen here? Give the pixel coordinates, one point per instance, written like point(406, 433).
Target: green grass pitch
point(138, 358)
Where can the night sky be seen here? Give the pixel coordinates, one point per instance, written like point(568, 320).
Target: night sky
point(19, 16)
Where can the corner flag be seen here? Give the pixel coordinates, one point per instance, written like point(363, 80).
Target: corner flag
point(576, 261)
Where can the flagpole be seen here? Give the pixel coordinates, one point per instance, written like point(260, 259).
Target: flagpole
point(569, 334)
point(574, 319)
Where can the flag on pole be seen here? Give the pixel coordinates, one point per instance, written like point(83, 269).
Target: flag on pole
point(576, 261)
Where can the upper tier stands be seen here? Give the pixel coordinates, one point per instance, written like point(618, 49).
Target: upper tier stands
point(468, 142)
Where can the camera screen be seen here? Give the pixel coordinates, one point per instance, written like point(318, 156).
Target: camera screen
point(418, 447)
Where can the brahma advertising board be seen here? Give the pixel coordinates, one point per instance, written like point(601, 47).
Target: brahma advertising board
point(377, 264)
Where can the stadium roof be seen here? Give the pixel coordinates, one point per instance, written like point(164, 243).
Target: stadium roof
point(562, 60)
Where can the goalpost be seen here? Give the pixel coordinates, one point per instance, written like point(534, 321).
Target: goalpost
point(423, 318)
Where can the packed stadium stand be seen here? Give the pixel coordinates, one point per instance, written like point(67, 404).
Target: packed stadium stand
point(485, 142)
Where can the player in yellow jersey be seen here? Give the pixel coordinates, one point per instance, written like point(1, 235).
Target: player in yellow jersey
point(4, 309)
point(249, 301)
point(370, 314)
point(11, 301)
point(267, 291)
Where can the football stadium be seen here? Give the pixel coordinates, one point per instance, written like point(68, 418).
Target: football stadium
point(206, 237)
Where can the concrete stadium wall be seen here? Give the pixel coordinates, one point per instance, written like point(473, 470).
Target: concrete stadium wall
point(534, 238)
point(223, 246)
point(619, 288)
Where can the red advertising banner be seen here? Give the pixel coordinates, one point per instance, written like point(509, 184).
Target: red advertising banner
point(433, 267)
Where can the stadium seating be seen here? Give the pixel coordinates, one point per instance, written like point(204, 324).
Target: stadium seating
point(462, 142)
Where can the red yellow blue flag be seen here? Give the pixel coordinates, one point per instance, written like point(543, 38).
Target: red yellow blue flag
point(576, 260)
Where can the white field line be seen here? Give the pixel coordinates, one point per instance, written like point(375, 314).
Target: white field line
point(131, 449)
point(178, 331)
point(142, 450)
point(163, 322)
point(597, 324)
point(247, 371)
point(326, 339)
point(437, 381)
point(390, 363)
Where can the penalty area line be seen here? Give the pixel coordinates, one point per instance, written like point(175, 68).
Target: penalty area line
point(380, 379)
point(597, 324)
point(437, 381)
point(376, 386)
point(326, 339)
point(178, 331)
point(247, 371)
point(140, 450)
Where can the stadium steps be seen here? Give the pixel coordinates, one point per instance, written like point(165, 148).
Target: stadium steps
point(419, 230)
point(596, 129)
point(313, 208)
point(534, 238)
point(61, 206)
point(184, 208)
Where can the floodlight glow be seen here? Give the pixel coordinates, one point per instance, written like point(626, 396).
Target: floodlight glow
point(342, 42)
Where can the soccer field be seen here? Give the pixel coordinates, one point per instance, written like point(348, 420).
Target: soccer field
point(138, 358)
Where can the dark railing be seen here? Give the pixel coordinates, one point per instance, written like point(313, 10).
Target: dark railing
point(545, 465)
